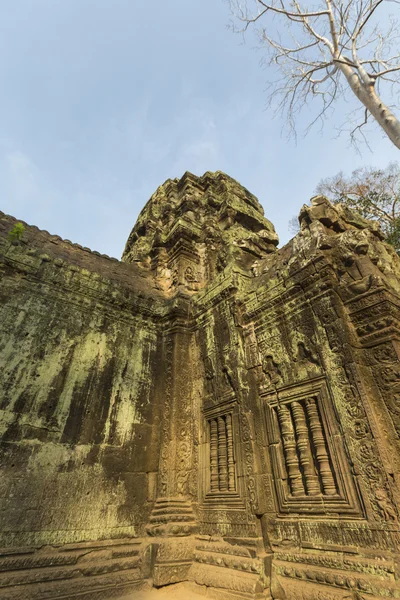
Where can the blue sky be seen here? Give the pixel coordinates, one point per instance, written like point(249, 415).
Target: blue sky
point(102, 100)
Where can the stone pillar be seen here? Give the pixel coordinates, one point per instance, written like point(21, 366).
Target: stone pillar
point(289, 448)
point(222, 455)
point(328, 482)
point(172, 521)
point(304, 448)
point(172, 514)
point(214, 455)
point(231, 463)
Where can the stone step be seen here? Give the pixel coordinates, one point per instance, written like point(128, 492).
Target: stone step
point(163, 510)
point(95, 544)
point(66, 556)
point(230, 561)
point(175, 505)
point(94, 587)
point(81, 569)
point(248, 585)
point(172, 518)
point(176, 501)
point(33, 561)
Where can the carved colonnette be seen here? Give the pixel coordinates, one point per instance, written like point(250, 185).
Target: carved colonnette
point(221, 457)
point(311, 470)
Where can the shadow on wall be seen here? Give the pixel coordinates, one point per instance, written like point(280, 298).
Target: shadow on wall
point(180, 591)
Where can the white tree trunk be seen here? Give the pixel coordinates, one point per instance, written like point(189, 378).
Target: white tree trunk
point(384, 117)
point(366, 93)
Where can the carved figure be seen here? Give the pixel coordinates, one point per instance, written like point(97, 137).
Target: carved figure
point(271, 369)
point(305, 354)
point(190, 275)
point(385, 506)
point(229, 377)
point(255, 268)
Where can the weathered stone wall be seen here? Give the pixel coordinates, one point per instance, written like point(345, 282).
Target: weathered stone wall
point(331, 434)
point(233, 405)
point(79, 355)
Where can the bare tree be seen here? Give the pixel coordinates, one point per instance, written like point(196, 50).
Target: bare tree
point(294, 225)
point(325, 48)
point(375, 193)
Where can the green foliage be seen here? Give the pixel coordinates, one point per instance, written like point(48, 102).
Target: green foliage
point(374, 193)
point(393, 234)
point(16, 232)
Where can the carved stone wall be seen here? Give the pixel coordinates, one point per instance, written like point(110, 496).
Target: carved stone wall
point(210, 410)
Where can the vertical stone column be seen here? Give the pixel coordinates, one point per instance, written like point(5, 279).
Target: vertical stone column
point(172, 513)
point(222, 456)
point(328, 482)
point(303, 445)
point(214, 456)
point(289, 447)
point(231, 464)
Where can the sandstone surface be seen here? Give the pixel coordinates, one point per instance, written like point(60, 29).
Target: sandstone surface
point(210, 411)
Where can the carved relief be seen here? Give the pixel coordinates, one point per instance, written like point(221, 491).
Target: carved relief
point(271, 370)
point(165, 449)
point(229, 378)
point(385, 505)
point(305, 354)
point(252, 354)
point(249, 458)
point(390, 382)
point(190, 275)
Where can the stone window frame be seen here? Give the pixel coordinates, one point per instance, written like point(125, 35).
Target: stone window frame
point(347, 499)
point(221, 499)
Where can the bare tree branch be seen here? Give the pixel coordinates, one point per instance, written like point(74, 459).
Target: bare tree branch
point(328, 48)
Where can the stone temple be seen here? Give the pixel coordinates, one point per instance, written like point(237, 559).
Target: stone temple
point(211, 410)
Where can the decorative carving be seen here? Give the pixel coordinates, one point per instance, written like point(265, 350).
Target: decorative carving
point(249, 457)
point(385, 506)
point(172, 517)
point(190, 275)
